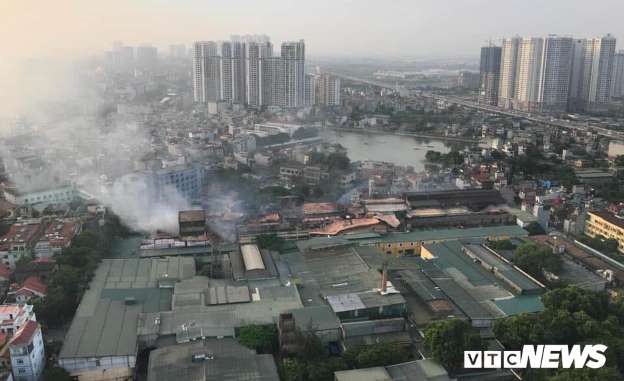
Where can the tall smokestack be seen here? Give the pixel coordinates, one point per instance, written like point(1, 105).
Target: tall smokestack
point(384, 277)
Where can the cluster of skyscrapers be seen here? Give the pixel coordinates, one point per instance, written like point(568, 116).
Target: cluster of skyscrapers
point(551, 74)
point(123, 57)
point(245, 71)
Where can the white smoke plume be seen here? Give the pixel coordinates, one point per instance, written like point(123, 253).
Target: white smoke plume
point(65, 133)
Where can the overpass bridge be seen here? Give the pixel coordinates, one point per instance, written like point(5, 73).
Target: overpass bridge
point(536, 118)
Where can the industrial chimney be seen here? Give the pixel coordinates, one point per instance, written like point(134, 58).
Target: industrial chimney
point(384, 278)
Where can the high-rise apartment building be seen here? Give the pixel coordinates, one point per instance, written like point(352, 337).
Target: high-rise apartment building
point(528, 75)
point(227, 72)
point(509, 72)
point(276, 82)
point(328, 92)
point(556, 73)
point(244, 71)
point(293, 56)
point(121, 58)
point(311, 86)
point(489, 74)
point(177, 51)
point(591, 74)
point(617, 78)
point(554, 82)
point(206, 72)
point(257, 52)
point(146, 57)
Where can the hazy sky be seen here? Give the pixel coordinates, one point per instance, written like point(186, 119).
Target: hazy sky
point(415, 28)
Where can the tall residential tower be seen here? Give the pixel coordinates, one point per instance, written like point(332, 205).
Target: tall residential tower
point(617, 78)
point(293, 57)
point(244, 71)
point(592, 69)
point(509, 72)
point(489, 74)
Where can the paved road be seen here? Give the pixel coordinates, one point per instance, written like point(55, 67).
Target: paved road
point(549, 121)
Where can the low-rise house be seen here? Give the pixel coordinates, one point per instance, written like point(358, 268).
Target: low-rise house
point(15, 316)
point(39, 267)
point(27, 353)
point(32, 287)
point(57, 236)
point(19, 241)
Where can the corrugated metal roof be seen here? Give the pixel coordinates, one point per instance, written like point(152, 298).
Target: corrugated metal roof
point(446, 234)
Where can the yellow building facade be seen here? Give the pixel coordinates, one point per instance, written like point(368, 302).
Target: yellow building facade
point(606, 224)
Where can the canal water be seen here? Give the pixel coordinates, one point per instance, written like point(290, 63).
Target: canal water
point(400, 150)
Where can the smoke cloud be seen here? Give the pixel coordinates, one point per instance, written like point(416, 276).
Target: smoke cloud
point(57, 130)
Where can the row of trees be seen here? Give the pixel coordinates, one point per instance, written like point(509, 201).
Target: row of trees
point(605, 245)
point(314, 364)
point(335, 161)
point(571, 316)
point(536, 259)
point(534, 165)
point(503, 244)
point(447, 159)
point(312, 361)
point(75, 268)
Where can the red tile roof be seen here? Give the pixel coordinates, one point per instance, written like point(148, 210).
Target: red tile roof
point(24, 335)
point(20, 233)
point(60, 232)
point(319, 208)
point(34, 284)
point(338, 227)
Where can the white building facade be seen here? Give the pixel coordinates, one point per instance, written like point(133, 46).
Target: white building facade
point(27, 353)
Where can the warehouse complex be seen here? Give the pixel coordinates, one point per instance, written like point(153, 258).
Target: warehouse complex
point(348, 290)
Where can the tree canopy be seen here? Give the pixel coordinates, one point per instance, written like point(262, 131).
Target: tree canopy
point(447, 159)
point(447, 340)
point(270, 242)
point(571, 316)
point(262, 338)
point(535, 259)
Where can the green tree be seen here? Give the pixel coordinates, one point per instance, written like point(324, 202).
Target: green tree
point(293, 370)
point(504, 244)
point(587, 374)
point(573, 299)
point(23, 259)
point(338, 161)
point(534, 259)
point(323, 370)
point(600, 243)
point(433, 156)
point(262, 338)
point(269, 242)
point(309, 346)
point(4, 228)
point(87, 239)
point(381, 355)
point(535, 229)
point(447, 340)
point(519, 330)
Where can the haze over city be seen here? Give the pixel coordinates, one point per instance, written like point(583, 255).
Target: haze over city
point(280, 190)
point(399, 28)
